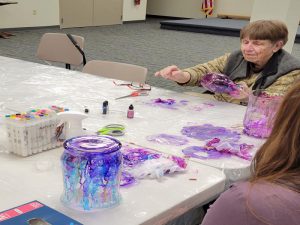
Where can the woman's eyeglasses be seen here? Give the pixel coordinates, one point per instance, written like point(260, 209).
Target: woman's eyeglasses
point(135, 86)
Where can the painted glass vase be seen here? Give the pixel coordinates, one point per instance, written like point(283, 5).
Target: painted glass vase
point(260, 113)
point(91, 168)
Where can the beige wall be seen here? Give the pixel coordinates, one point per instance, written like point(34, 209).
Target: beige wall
point(175, 8)
point(47, 13)
point(192, 8)
point(287, 11)
point(235, 7)
point(133, 12)
point(30, 13)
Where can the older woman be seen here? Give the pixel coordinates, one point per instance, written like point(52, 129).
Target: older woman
point(272, 196)
point(261, 63)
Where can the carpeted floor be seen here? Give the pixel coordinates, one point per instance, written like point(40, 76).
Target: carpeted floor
point(142, 43)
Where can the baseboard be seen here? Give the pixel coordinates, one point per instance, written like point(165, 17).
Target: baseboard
point(27, 28)
point(166, 17)
point(133, 21)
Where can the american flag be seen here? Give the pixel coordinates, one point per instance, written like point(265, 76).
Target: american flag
point(207, 7)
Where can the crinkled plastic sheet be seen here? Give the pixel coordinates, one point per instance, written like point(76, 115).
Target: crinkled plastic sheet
point(38, 86)
point(49, 88)
point(27, 86)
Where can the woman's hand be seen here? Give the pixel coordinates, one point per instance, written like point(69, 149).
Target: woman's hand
point(174, 73)
point(243, 92)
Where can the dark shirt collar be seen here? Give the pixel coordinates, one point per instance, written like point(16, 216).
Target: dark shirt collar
point(270, 68)
point(252, 68)
point(272, 65)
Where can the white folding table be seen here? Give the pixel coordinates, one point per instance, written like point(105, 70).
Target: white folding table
point(26, 85)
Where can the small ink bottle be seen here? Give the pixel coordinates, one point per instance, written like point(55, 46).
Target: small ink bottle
point(105, 107)
point(130, 112)
point(86, 110)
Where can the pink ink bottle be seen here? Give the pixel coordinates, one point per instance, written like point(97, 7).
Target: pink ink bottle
point(130, 112)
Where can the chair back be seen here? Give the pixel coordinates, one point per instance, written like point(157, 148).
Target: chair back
point(57, 47)
point(116, 70)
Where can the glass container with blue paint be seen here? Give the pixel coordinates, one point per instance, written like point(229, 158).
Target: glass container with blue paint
point(91, 172)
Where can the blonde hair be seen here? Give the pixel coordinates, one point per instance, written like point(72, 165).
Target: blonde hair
point(278, 160)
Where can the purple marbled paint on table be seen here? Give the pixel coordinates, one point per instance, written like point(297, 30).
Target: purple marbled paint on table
point(203, 153)
point(127, 179)
point(141, 162)
point(237, 149)
point(183, 102)
point(167, 103)
point(215, 149)
point(202, 106)
point(168, 139)
point(208, 131)
point(135, 156)
point(179, 161)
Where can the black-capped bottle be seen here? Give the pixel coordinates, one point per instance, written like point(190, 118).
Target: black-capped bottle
point(105, 107)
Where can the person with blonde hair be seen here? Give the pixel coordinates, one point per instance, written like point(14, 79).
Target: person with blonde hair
point(272, 195)
point(261, 63)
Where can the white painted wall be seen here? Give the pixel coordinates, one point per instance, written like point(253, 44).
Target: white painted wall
point(286, 11)
point(133, 12)
point(47, 13)
point(22, 14)
point(175, 8)
point(235, 7)
point(192, 8)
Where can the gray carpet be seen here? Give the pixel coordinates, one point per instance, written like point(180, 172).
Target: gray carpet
point(142, 43)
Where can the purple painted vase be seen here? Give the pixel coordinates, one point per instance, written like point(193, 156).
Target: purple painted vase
point(261, 110)
point(91, 172)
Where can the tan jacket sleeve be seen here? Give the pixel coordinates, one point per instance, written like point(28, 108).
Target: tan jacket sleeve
point(282, 84)
point(197, 72)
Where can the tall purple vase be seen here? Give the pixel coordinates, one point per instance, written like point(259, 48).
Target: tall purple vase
point(91, 168)
point(259, 117)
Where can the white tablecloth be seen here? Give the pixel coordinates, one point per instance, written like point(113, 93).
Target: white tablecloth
point(26, 85)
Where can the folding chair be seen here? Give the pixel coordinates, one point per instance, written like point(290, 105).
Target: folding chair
point(64, 48)
point(116, 70)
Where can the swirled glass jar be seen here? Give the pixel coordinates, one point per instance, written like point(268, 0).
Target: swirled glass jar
point(91, 168)
point(261, 111)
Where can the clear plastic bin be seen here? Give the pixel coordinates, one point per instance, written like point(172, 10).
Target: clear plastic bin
point(32, 132)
